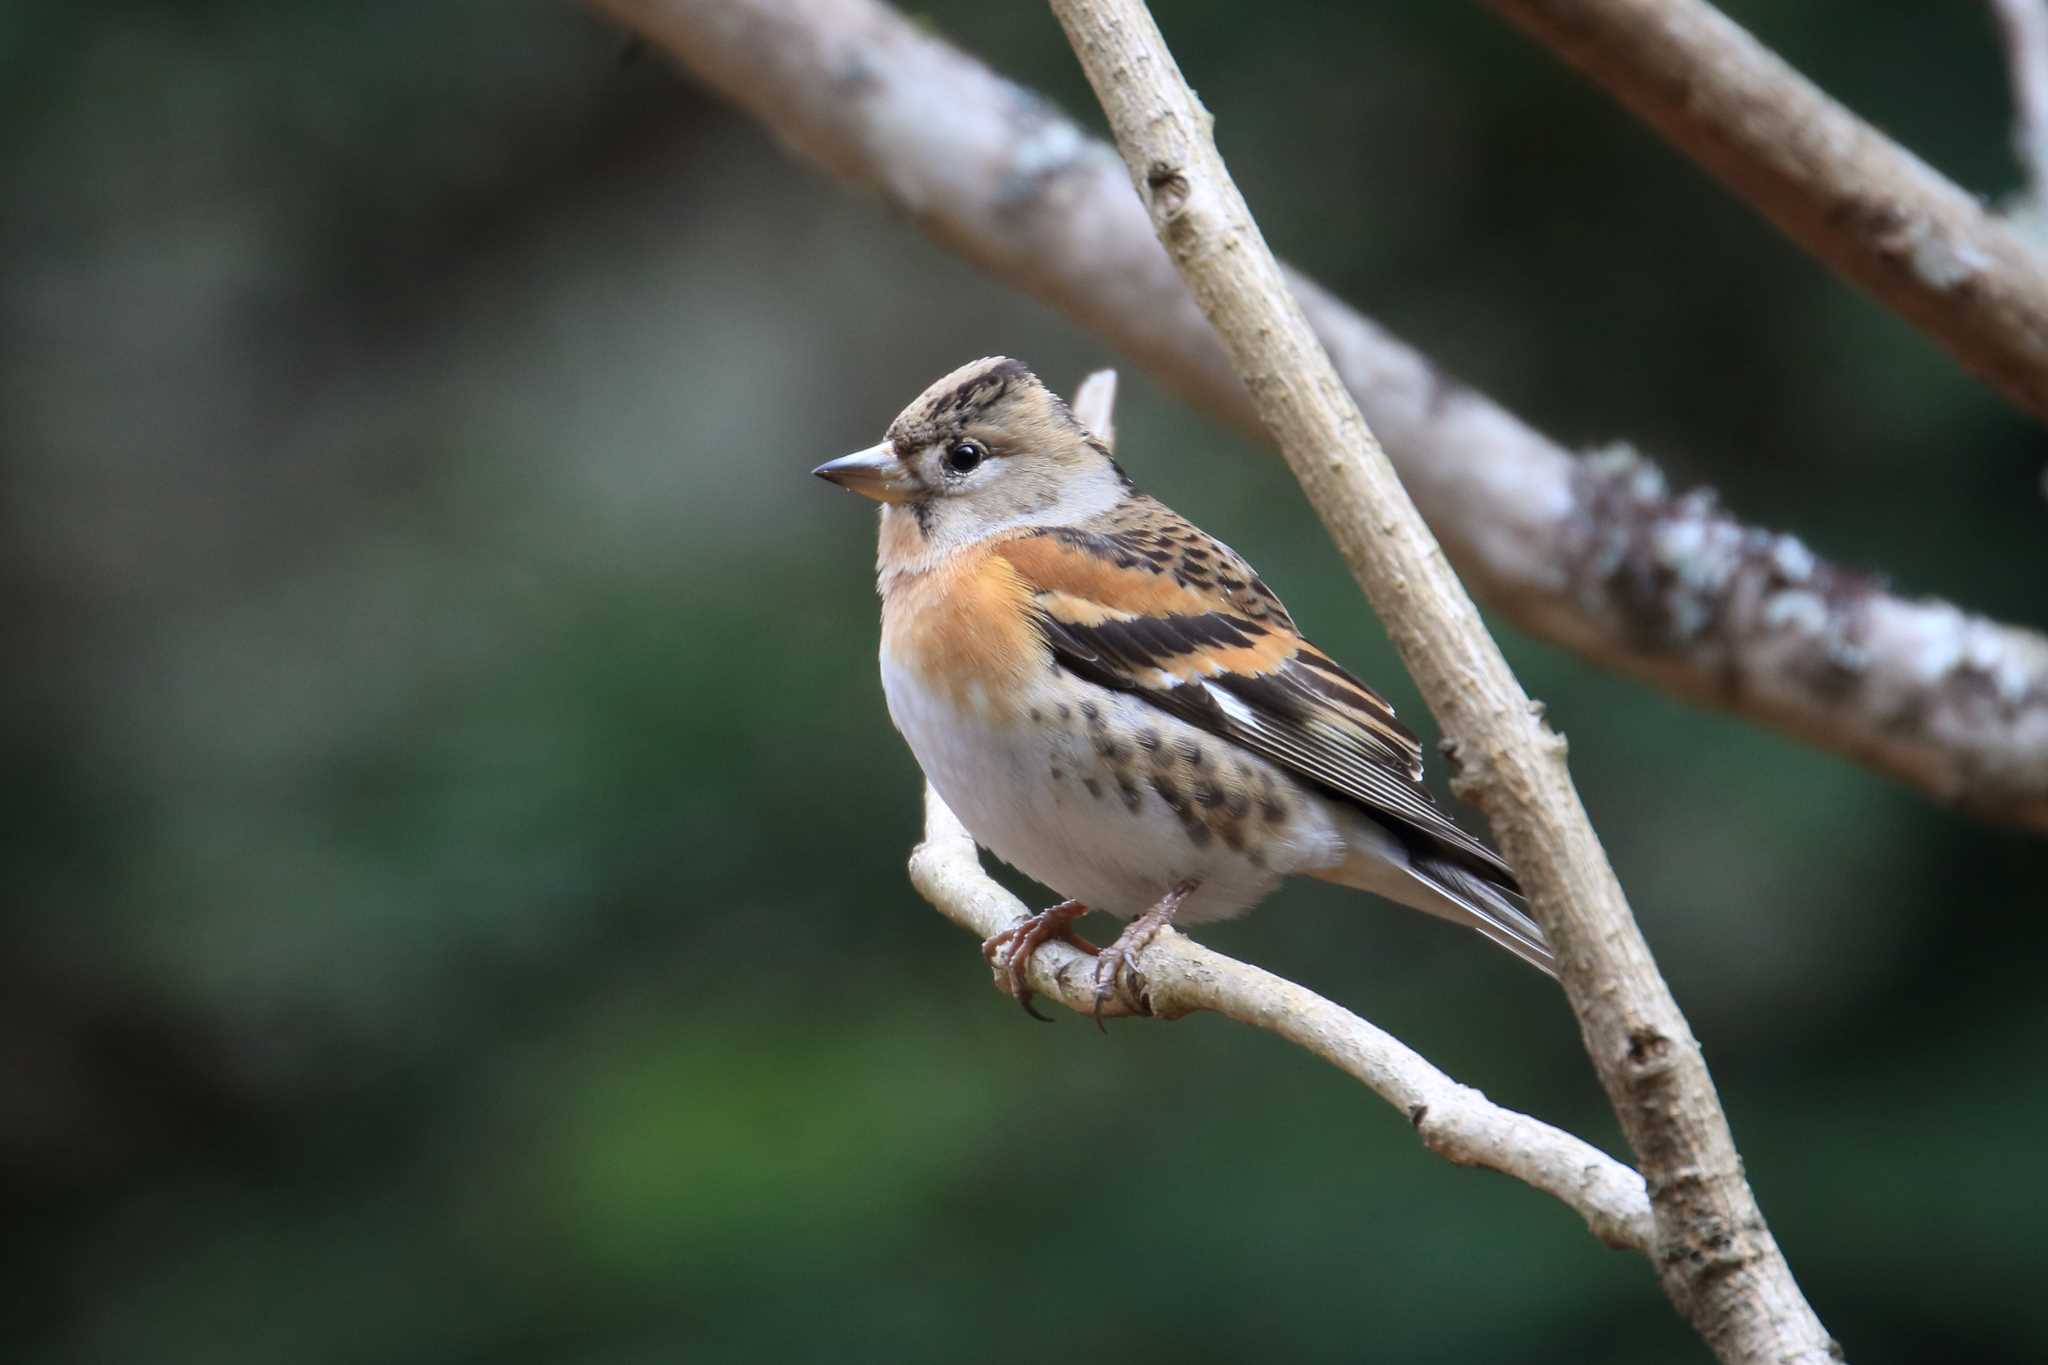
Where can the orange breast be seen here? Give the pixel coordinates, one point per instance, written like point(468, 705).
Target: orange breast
point(965, 628)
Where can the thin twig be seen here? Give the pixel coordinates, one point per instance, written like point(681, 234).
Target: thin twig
point(1595, 555)
point(1714, 1255)
point(2023, 25)
point(1455, 1121)
point(1866, 207)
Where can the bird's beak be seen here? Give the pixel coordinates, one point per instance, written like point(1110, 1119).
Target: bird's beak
point(873, 473)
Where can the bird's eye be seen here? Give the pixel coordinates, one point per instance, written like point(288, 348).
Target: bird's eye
point(964, 456)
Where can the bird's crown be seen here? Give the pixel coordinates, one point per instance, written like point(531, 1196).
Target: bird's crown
point(996, 393)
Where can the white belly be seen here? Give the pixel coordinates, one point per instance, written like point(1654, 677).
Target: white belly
point(1043, 796)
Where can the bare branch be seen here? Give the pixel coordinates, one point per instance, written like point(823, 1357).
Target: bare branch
point(1595, 556)
point(1861, 204)
point(2023, 25)
point(1715, 1257)
point(1455, 1121)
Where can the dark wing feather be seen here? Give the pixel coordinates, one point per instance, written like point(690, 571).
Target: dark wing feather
point(1254, 682)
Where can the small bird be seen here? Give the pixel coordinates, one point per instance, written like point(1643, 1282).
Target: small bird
point(1113, 703)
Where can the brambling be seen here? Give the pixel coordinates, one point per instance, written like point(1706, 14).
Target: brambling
point(1113, 703)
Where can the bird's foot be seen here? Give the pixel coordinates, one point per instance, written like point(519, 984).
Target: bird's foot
point(1023, 938)
point(1116, 970)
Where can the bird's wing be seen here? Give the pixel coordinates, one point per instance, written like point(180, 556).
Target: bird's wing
point(1202, 639)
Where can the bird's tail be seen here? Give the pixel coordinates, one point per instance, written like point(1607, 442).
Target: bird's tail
point(1439, 884)
point(1492, 909)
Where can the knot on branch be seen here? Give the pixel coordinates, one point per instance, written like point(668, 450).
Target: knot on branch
point(1167, 189)
point(1710, 1248)
point(1648, 1050)
point(1470, 782)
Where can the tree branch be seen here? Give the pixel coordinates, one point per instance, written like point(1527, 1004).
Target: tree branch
point(1595, 555)
point(1715, 1257)
point(2023, 27)
point(1861, 204)
point(1180, 976)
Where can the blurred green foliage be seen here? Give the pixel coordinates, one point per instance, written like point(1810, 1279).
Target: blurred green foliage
point(457, 844)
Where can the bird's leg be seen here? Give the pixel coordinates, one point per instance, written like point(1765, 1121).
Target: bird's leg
point(1113, 965)
point(1023, 939)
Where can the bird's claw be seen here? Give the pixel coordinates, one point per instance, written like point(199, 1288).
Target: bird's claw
point(1117, 977)
point(1024, 938)
point(1116, 968)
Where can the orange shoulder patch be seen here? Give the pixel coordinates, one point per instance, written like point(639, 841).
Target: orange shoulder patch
point(1050, 564)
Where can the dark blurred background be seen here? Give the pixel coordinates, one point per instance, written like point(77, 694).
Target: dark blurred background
point(456, 843)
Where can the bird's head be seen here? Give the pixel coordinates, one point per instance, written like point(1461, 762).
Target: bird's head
point(984, 449)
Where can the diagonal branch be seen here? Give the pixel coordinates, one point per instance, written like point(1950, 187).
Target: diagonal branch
point(1455, 1121)
point(1864, 206)
point(1714, 1255)
point(1595, 555)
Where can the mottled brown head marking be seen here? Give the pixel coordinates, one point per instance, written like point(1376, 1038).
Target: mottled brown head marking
point(987, 382)
point(992, 391)
point(986, 449)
